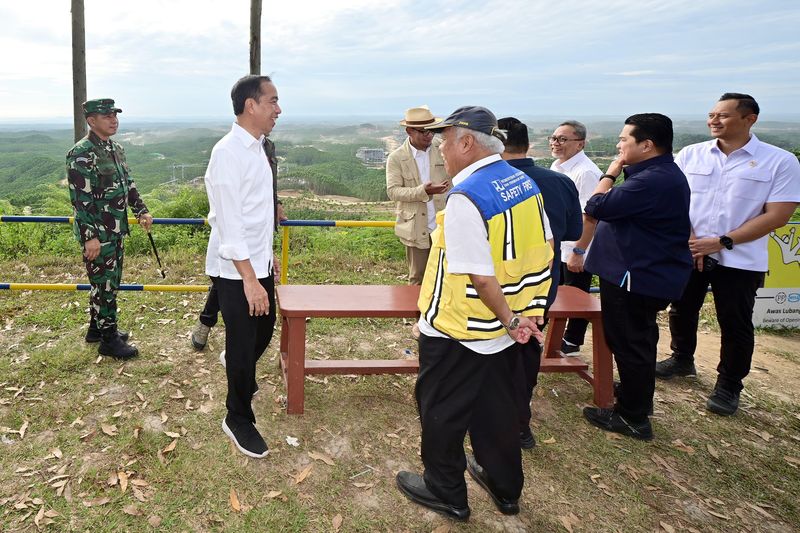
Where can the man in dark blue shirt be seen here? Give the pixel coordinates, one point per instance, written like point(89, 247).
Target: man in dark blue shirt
point(640, 253)
point(563, 209)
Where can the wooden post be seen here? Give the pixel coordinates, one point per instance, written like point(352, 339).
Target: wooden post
point(255, 37)
point(78, 69)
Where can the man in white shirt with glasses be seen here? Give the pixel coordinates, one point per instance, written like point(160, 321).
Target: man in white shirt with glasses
point(566, 145)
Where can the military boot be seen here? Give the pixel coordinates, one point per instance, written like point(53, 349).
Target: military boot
point(112, 345)
point(93, 333)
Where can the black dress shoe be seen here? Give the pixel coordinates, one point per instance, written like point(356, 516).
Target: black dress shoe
point(413, 486)
point(504, 505)
point(526, 439)
point(610, 420)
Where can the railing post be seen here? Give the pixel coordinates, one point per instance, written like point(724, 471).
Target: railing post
point(285, 255)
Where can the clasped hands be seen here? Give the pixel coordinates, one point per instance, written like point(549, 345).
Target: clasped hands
point(528, 327)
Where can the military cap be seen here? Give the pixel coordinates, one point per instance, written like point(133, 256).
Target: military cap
point(103, 106)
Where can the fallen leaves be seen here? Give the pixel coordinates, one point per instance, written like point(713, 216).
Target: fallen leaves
point(719, 515)
point(109, 429)
point(97, 502)
point(44, 518)
point(21, 431)
point(321, 457)
point(794, 461)
point(299, 478)
point(234, 498)
point(765, 435)
point(713, 451)
point(171, 446)
point(123, 481)
point(569, 521)
point(337, 522)
point(679, 444)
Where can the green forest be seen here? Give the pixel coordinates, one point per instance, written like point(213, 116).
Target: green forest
point(168, 160)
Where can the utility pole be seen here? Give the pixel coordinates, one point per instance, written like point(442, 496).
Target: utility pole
point(255, 37)
point(78, 68)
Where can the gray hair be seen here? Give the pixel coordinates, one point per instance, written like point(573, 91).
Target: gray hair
point(493, 144)
point(580, 129)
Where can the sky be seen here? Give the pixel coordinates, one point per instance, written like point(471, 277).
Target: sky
point(174, 59)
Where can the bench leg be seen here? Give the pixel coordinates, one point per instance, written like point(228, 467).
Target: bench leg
point(294, 328)
point(552, 340)
point(602, 367)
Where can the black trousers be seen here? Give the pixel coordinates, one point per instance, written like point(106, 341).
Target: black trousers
point(246, 338)
point(576, 327)
point(734, 298)
point(523, 363)
point(210, 312)
point(457, 391)
point(629, 323)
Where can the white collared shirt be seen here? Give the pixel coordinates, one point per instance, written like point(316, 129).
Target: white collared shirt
point(585, 174)
point(239, 187)
point(469, 252)
point(423, 160)
point(727, 191)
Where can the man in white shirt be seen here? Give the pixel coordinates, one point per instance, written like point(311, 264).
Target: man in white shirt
point(742, 189)
point(240, 260)
point(566, 145)
point(416, 181)
point(484, 291)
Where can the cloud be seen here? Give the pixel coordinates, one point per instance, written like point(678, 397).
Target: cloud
point(635, 73)
point(365, 56)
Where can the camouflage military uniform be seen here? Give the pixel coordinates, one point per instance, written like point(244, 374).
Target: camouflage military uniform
point(101, 189)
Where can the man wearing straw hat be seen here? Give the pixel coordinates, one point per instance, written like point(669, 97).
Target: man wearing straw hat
point(416, 180)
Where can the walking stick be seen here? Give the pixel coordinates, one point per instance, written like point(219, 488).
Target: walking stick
point(155, 252)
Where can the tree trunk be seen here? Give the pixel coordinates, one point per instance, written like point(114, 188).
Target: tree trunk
point(78, 68)
point(255, 37)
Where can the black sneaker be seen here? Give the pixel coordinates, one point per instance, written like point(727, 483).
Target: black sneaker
point(723, 402)
point(669, 368)
point(112, 345)
point(610, 420)
point(526, 439)
point(246, 438)
point(569, 349)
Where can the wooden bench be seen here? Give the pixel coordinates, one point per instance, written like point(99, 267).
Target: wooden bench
point(299, 302)
point(574, 303)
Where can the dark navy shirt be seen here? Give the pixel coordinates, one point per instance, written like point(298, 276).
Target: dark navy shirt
point(642, 237)
point(562, 207)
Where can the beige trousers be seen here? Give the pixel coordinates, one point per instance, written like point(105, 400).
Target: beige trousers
point(417, 259)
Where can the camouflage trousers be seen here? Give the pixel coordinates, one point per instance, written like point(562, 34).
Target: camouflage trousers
point(105, 274)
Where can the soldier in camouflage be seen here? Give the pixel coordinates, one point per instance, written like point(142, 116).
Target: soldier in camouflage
point(101, 189)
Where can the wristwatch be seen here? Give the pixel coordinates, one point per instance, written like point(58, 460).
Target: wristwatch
point(726, 241)
point(577, 250)
point(513, 323)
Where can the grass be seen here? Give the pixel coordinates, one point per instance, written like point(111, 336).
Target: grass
point(702, 472)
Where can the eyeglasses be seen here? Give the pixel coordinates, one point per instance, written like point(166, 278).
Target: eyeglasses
point(423, 132)
point(560, 140)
